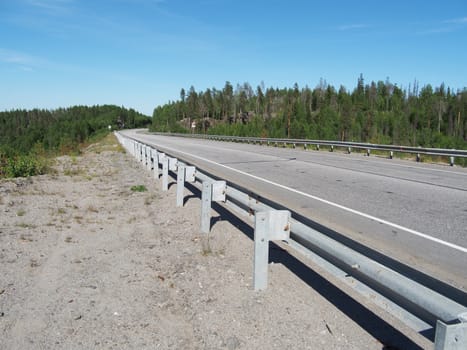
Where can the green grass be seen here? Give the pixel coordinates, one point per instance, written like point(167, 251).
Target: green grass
point(139, 188)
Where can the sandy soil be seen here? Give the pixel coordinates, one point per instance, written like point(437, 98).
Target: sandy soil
point(87, 263)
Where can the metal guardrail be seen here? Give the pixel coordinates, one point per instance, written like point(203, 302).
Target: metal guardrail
point(348, 146)
point(447, 316)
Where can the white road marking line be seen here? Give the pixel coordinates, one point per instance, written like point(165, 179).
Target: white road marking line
point(353, 211)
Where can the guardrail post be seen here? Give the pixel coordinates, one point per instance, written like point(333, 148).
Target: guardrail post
point(349, 150)
point(293, 145)
point(451, 336)
point(418, 157)
point(165, 174)
point(180, 184)
point(269, 225)
point(368, 152)
point(184, 173)
point(317, 147)
point(155, 157)
point(206, 207)
point(332, 148)
point(451, 161)
point(212, 191)
point(304, 146)
point(149, 158)
point(391, 155)
point(173, 164)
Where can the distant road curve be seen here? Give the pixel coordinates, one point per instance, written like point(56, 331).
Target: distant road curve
point(416, 213)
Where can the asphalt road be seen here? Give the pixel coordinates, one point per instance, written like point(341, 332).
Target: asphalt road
point(413, 212)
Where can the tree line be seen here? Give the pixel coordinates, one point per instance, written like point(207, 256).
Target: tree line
point(27, 134)
point(378, 112)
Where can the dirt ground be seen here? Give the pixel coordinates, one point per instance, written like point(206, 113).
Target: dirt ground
point(87, 263)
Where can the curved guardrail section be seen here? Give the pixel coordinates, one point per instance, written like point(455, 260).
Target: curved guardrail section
point(447, 316)
point(348, 146)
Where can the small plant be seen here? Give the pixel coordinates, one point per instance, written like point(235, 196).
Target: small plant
point(139, 188)
point(61, 211)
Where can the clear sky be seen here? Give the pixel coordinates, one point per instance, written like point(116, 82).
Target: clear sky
point(140, 53)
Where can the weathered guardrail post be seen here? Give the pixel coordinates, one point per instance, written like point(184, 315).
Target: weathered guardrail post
point(173, 164)
point(391, 154)
point(451, 161)
point(269, 226)
point(451, 336)
point(184, 173)
point(212, 191)
point(155, 157)
point(148, 158)
point(165, 173)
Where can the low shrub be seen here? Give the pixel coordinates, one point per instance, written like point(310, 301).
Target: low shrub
point(23, 166)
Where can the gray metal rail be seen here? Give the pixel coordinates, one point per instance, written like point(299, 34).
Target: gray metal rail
point(448, 316)
point(348, 146)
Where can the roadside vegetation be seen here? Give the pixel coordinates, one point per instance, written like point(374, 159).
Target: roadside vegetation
point(29, 139)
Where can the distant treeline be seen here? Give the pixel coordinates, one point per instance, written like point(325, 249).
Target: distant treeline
point(22, 131)
point(27, 138)
point(378, 112)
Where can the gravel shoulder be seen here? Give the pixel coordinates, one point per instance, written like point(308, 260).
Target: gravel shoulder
point(87, 263)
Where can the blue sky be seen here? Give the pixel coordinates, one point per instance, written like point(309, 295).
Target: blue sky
point(140, 53)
